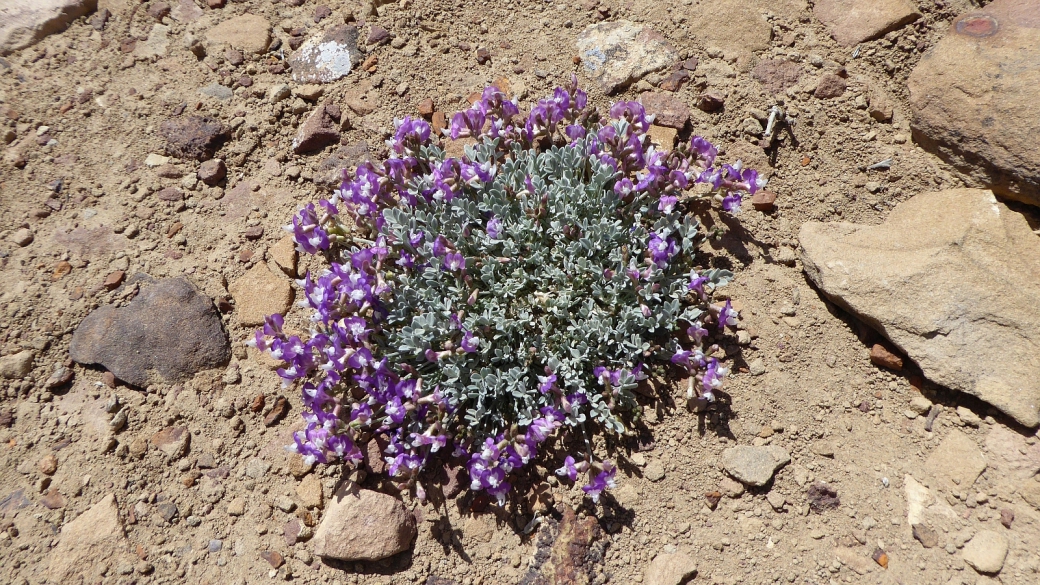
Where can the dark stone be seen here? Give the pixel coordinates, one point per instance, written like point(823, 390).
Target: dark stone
point(327, 58)
point(169, 331)
point(830, 86)
point(212, 171)
point(822, 497)
point(159, 10)
point(273, 557)
point(53, 500)
point(568, 552)
point(710, 102)
point(170, 194)
point(194, 137)
point(168, 511)
point(667, 110)
point(377, 35)
point(278, 412)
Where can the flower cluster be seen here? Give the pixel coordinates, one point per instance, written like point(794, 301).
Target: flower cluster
point(484, 304)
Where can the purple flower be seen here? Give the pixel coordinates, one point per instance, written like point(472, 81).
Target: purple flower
point(661, 249)
point(604, 480)
point(467, 123)
point(307, 233)
point(697, 332)
point(731, 202)
point(712, 379)
point(411, 133)
point(546, 383)
point(568, 470)
point(454, 262)
point(728, 316)
point(441, 246)
point(667, 204)
point(494, 228)
point(469, 343)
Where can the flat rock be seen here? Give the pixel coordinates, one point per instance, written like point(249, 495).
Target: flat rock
point(953, 280)
point(1010, 452)
point(284, 256)
point(777, 75)
point(25, 22)
point(363, 525)
point(326, 58)
point(754, 466)
point(168, 332)
point(320, 130)
point(193, 137)
point(94, 535)
point(17, 365)
point(853, 21)
point(667, 109)
point(957, 460)
point(973, 98)
point(986, 551)
point(918, 498)
point(156, 45)
point(259, 293)
point(248, 33)
point(744, 29)
point(173, 441)
point(618, 53)
point(670, 569)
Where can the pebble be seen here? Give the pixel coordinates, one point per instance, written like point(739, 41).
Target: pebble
point(320, 130)
point(363, 525)
point(757, 367)
point(212, 172)
point(667, 110)
point(654, 471)
point(670, 568)
point(754, 466)
point(249, 33)
point(215, 545)
point(763, 200)
point(830, 86)
point(284, 503)
point(928, 537)
point(237, 507)
point(48, 464)
point(192, 137)
point(986, 552)
point(16, 366)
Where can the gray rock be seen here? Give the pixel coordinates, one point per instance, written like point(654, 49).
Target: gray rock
point(362, 525)
point(25, 22)
point(654, 471)
point(953, 280)
point(616, 54)
point(971, 111)
point(16, 366)
point(986, 551)
point(217, 91)
point(169, 332)
point(326, 58)
point(754, 466)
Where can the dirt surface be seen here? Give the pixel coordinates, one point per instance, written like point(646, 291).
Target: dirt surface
point(81, 116)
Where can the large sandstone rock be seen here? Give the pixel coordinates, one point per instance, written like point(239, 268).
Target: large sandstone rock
point(94, 535)
point(249, 33)
point(986, 551)
point(744, 28)
point(170, 331)
point(362, 525)
point(25, 22)
point(957, 461)
point(622, 52)
point(853, 21)
point(951, 278)
point(974, 98)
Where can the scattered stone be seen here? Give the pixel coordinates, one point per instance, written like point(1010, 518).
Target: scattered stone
point(881, 356)
point(710, 102)
point(278, 411)
point(114, 280)
point(100, 19)
point(193, 137)
point(880, 557)
point(622, 52)
point(879, 104)
point(311, 492)
point(212, 172)
point(670, 569)
point(944, 267)
point(249, 33)
point(822, 497)
point(1007, 516)
point(377, 35)
point(757, 367)
point(855, 560)
point(663, 138)
point(777, 75)
point(259, 293)
point(173, 441)
point(273, 557)
point(327, 58)
point(171, 194)
point(986, 551)
point(21, 237)
point(310, 92)
point(928, 537)
point(27, 22)
point(48, 464)
point(776, 501)
point(320, 130)
point(744, 30)
point(426, 108)
point(16, 366)
point(854, 21)
point(93, 535)
point(830, 86)
point(362, 525)
point(985, 129)
point(654, 471)
point(754, 466)
point(957, 460)
point(763, 200)
point(168, 511)
point(217, 91)
point(168, 331)
point(284, 255)
point(667, 109)
point(967, 417)
point(155, 45)
point(60, 377)
point(565, 551)
point(257, 468)
point(53, 500)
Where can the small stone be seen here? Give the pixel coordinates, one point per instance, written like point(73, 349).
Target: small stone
point(824, 448)
point(754, 466)
point(21, 237)
point(763, 200)
point(259, 293)
point(777, 75)
point(170, 194)
point(320, 130)
point(16, 366)
point(257, 468)
point(986, 552)
point(249, 33)
point(377, 35)
point(92, 535)
point(882, 356)
point(284, 504)
point(284, 256)
point(667, 109)
point(159, 10)
point(654, 471)
point(967, 417)
point(48, 464)
point(363, 525)
point(1007, 516)
point(731, 488)
point(278, 412)
point(830, 86)
point(237, 507)
point(822, 497)
point(327, 58)
point(212, 172)
point(670, 569)
point(53, 500)
point(710, 102)
point(928, 537)
point(310, 491)
point(273, 557)
point(426, 108)
point(215, 545)
point(483, 56)
point(321, 13)
point(168, 511)
point(218, 92)
point(880, 557)
point(920, 405)
point(776, 501)
point(173, 441)
point(957, 461)
point(193, 137)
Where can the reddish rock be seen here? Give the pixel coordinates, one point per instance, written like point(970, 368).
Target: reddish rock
point(564, 551)
point(763, 200)
point(159, 10)
point(278, 412)
point(830, 86)
point(193, 137)
point(483, 56)
point(426, 108)
point(854, 21)
point(173, 441)
point(53, 500)
point(822, 497)
point(668, 110)
point(212, 171)
point(320, 130)
point(710, 102)
point(273, 557)
point(170, 194)
point(377, 35)
point(777, 75)
point(881, 356)
point(114, 279)
point(1007, 516)
point(321, 13)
